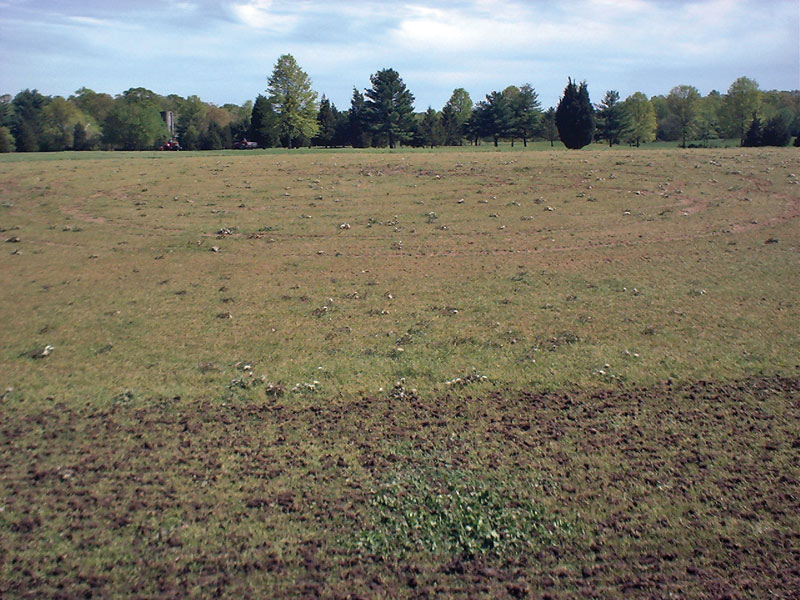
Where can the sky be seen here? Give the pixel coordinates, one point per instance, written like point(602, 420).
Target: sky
point(225, 50)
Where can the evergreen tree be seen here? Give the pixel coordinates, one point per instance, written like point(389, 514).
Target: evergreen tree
point(429, 130)
point(498, 115)
point(213, 138)
point(293, 100)
point(357, 120)
point(610, 118)
point(455, 114)
point(776, 131)
point(327, 120)
point(575, 116)
point(389, 108)
point(549, 129)
point(476, 126)
point(526, 112)
point(753, 136)
point(27, 121)
point(263, 124)
point(342, 135)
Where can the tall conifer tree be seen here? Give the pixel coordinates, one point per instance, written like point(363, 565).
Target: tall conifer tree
point(575, 116)
point(390, 108)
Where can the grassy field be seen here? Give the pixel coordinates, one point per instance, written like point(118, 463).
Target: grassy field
point(401, 374)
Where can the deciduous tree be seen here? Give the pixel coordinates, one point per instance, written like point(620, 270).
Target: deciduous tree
point(640, 119)
point(743, 99)
point(682, 102)
point(134, 122)
point(293, 100)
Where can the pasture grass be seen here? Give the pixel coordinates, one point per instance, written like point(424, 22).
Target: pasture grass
point(356, 270)
point(400, 374)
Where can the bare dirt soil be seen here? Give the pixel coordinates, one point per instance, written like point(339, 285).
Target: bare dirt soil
point(688, 491)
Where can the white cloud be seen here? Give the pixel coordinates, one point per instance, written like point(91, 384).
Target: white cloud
point(260, 14)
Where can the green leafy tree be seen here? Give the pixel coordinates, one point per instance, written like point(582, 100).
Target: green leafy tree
point(389, 109)
point(549, 129)
point(667, 126)
point(707, 125)
point(80, 137)
point(455, 114)
point(526, 112)
point(327, 120)
point(743, 99)
point(57, 121)
point(96, 105)
point(682, 102)
point(610, 118)
point(6, 111)
point(134, 122)
point(191, 122)
point(293, 100)
point(640, 119)
point(575, 116)
point(215, 137)
point(7, 143)
point(239, 125)
point(775, 102)
point(264, 126)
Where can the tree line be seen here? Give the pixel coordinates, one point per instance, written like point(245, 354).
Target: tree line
point(291, 114)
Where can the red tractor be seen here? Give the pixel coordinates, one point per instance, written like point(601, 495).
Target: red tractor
point(171, 145)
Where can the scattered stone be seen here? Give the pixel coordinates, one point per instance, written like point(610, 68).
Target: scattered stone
point(214, 249)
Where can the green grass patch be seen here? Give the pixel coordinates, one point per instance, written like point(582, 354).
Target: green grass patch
point(453, 513)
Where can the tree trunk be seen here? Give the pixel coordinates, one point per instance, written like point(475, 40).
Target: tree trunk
point(495, 141)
